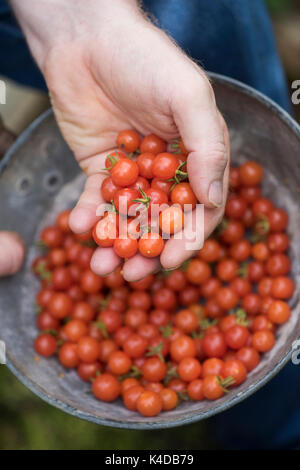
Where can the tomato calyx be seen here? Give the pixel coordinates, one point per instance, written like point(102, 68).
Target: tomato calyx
point(241, 316)
point(179, 176)
point(134, 373)
point(38, 309)
point(156, 351)
point(113, 160)
point(166, 331)
point(102, 327)
point(206, 323)
point(50, 332)
point(144, 199)
point(225, 383)
point(171, 373)
point(262, 226)
point(43, 272)
point(183, 396)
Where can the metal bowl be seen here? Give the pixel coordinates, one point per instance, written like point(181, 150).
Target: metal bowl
point(39, 177)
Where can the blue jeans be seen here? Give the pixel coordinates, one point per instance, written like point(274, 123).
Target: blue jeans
point(233, 38)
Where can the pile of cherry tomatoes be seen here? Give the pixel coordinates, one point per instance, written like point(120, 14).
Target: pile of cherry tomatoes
point(187, 334)
point(136, 185)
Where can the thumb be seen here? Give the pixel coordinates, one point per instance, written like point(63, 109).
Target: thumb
point(201, 128)
point(11, 253)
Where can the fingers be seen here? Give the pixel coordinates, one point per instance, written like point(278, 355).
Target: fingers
point(105, 261)
point(138, 267)
point(200, 127)
point(12, 252)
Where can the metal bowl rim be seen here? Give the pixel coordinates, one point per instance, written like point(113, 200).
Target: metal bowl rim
point(37, 390)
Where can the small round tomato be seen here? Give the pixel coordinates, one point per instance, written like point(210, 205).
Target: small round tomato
point(183, 194)
point(162, 185)
point(282, 287)
point(61, 278)
point(263, 340)
point(119, 363)
point(227, 269)
point(212, 387)
point(154, 369)
point(107, 347)
point(124, 172)
point(251, 173)
point(182, 347)
point(131, 395)
point(262, 207)
point(112, 319)
point(124, 199)
point(251, 303)
point(198, 271)
point(236, 369)
point(232, 231)
point(128, 383)
point(240, 286)
point(68, 355)
point(135, 345)
point(83, 311)
point(125, 247)
point(195, 390)
point(235, 207)
point(189, 295)
point(88, 349)
point(210, 251)
point(109, 189)
point(87, 372)
point(279, 312)
point(234, 177)
point(45, 321)
point(45, 345)
point(62, 221)
point(135, 317)
point(189, 369)
point(264, 287)
point(212, 366)
point(250, 193)
point(149, 403)
point(164, 299)
point(176, 280)
point(145, 164)
point(255, 271)
point(213, 309)
point(278, 220)
point(139, 299)
point(153, 144)
point(75, 329)
point(186, 320)
point(44, 296)
point(165, 165)
point(60, 305)
point(260, 251)
point(278, 242)
point(122, 334)
point(52, 237)
point(169, 399)
point(261, 322)
point(148, 331)
point(237, 336)
point(214, 345)
point(227, 298)
point(57, 257)
point(210, 287)
point(90, 282)
point(171, 220)
point(249, 356)
point(151, 245)
point(106, 387)
point(159, 317)
point(128, 140)
point(240, 250)
point(278, 265)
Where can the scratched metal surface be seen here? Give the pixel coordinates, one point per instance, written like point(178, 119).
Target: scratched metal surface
point(39, 177)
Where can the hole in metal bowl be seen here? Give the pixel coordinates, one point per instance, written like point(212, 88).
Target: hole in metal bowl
point(53, 181)
point(24, 185)
point(49, 147)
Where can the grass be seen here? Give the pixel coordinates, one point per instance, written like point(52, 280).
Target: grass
point(28, 423)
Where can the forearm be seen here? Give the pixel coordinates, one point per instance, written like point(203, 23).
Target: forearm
point(46, 23)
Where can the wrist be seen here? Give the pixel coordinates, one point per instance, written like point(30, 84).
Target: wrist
point(50, 23)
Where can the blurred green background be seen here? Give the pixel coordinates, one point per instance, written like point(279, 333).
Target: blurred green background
point(26, 422)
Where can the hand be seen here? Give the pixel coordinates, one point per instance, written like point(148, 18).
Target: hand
point(11, 253)
point(109, 69)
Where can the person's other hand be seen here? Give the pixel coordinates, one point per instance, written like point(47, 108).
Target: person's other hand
point(11, 253)
point(109, 69)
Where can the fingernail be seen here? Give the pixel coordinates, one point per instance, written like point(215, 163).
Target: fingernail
point(215, 193)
